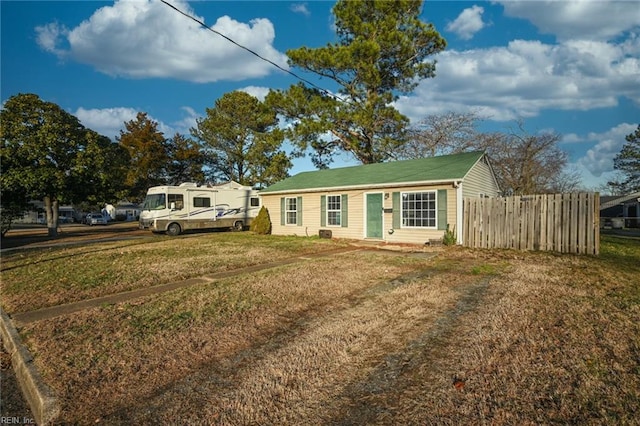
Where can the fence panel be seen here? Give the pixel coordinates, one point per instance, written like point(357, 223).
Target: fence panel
point(567, 223)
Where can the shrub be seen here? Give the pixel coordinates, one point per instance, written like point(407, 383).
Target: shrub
point(449, 238)
point(262, 223)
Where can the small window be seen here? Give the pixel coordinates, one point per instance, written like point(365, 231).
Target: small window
point(201, 202)
point(333, 210)
point(178, 199)
point(419, 209)
point(255, 201)
point(291, 211)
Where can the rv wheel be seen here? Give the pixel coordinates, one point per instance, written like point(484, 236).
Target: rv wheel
point(174, 229)
point(238, 226)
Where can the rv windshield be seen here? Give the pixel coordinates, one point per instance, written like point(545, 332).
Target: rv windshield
point(154, 202)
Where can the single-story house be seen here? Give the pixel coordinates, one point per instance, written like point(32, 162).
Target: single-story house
point(410, 201)
point(123, 211)
point(619, 211)
point(36, 214)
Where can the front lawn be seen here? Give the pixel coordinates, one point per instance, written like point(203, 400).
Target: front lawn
point(45, 277)
point(366, 337)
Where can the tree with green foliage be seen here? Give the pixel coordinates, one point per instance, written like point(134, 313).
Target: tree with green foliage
point(262, 223)
point(186, 160)
point(44, 155)
point(242, 141)
point(13, 205)
point(628, 162)
point(148, 154)
point(103, 178)
point(382, 52)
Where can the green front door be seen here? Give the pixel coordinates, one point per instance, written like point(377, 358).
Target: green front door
point(374, 216)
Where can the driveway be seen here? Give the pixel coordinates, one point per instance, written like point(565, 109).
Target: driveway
point(32, 236)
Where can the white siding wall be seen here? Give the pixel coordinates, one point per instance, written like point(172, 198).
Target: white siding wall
point(311, 220)
point(480, 180)
point(415, 235)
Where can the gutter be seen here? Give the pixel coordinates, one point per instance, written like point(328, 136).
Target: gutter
point(459, 220)
point(364, 186)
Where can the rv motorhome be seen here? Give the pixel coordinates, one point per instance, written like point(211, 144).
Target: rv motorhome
point(175, 209)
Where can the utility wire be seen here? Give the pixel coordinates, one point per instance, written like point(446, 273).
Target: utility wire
point(202, 24)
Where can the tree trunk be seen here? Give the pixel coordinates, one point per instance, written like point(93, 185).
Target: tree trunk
point(51, 210)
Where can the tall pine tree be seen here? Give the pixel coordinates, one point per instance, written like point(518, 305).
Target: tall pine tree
point(383, 51)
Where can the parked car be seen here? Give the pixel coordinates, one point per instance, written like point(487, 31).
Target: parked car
point(95, 219)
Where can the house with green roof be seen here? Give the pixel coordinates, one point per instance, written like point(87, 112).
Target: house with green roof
point(409, 201)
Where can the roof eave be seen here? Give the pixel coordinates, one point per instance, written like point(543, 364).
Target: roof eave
point(364, 186)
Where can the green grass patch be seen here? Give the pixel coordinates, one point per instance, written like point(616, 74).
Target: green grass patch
point(39, 278)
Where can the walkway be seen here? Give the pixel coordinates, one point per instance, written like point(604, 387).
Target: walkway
point(20, 319)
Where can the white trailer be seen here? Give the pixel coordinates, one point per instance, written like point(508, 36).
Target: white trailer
point(175, 209)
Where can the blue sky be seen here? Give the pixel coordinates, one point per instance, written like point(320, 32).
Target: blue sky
point(572, 67)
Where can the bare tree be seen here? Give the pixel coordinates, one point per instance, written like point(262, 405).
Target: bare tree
point(443, 134)
point(523, 163)
point(530, 164)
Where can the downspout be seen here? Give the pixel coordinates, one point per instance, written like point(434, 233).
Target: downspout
point(458, 186)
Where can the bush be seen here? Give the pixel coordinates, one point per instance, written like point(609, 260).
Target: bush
point(449, 238)
point(262, 223)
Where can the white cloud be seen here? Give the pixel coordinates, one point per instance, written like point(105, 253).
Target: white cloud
point(256, 91)
point(109, 121)
point(106, 121)
point(50, 36)
point(300, 8)
point(145, 38)
point(578, 19)
point(468, 23)
point(599, 159)
point(184, 125)
point(526, 77)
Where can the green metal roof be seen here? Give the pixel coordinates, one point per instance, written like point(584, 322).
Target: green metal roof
point(432, 169)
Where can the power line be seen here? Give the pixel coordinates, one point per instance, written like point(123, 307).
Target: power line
point(202, 24)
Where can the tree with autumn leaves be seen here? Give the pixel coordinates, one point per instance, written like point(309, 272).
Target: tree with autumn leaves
point(48, 155)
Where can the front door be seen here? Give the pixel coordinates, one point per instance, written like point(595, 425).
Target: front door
point(374, 215)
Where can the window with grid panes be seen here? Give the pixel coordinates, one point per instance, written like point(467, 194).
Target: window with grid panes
point(419, 209)
point(334, 208)
point(291, 211)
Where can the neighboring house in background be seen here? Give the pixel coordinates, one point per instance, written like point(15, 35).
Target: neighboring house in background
point(66, 214)
point(409, 201)
point(123, 211)
point(617, 211)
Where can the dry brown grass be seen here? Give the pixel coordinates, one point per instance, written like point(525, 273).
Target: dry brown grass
point(470, 337)
point(547, 345)
point(130, 352)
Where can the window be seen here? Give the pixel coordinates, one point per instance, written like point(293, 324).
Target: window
point(419, 209)
point(255, 202)
point(178, 199)
point(333, 210)
point(201, 202)
point(291, 211)
point(154, 202)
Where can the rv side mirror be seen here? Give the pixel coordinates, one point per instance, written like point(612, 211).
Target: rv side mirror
point(173, 206)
